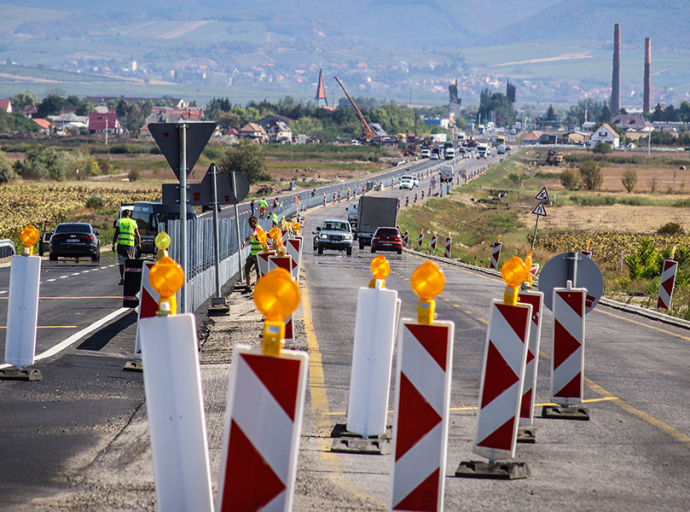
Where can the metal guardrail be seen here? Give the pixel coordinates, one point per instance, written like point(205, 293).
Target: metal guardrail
point(7, 248)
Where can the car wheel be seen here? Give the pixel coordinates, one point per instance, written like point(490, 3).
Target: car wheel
point(320, 250)
point(373, 250)
point(96, 257)
point(349, 251)
point(399, 251)
point(361, 246)
point(52, 257)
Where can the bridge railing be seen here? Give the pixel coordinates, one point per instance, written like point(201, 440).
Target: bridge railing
point(7, 248)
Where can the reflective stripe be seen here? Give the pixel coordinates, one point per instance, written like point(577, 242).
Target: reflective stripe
point(127, 228)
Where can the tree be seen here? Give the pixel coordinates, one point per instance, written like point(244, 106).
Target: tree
point(306, 125)
point(247, 159)
point(629, 180)
point(51, 106)
point(42, 162)
point(22, 99)
point(592, 178)
point(551, 114)
point(7, 174)
point(570, 179)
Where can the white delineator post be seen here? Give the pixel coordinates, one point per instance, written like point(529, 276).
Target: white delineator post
point(22, 310)
point(372, 359)
point(503, 373)
point(434, 240)
point(449, 245)
point(668, 280)
point(263, 421)
point(420, 241)
point(148, 304)
point(536, 300)
point(495, 254)
point(420, 426)
point(175, 411)
point(568, 361)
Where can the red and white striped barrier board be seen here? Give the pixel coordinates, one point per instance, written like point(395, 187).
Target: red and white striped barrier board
point(338, 195)
point(348, 193)
point(422, 194)
point(22, 310)
point(586, 252)
point(668, 280)
point(263, 421)
point(324, 199)
point(449, 245)
point(407, 200)
point(148, 303)
point(262, 262)
point(175, 410)
point(420, 240)
point(287, 263)
point(420, 425)
point(294, 249)
point(415, 197)
point(495, 254)
point(502, 377)
point(285, 233)
point(433, 243)
point(536, 299)
point(406, 239)
point(568, 361)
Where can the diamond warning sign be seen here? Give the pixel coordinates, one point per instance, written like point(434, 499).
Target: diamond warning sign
point(542, 196)
point(539, 210)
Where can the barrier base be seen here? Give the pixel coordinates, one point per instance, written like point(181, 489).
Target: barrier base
point(349, 442)
point(493, 470)
point(218, 307)
point(17, 374)
point(577, 412)
point(527, 434)
point(134, 366)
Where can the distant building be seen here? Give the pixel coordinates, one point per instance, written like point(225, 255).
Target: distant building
point(531, 137)
point(632, 123)
point(171, 115)
point(29, 111)
point(576, 136)
point(6, 105)
point(100, 123)
point(277, 128)
point(63, 120)
point(254, 132)
point(44, 125)
point(606, 134)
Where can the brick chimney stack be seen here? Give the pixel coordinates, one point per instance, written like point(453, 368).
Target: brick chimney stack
point(647, 105)
point(616, 83)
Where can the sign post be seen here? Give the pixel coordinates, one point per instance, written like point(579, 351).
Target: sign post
point(539, 211)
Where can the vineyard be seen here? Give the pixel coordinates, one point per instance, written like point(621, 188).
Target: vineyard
point(606, 246)
point(33, 204)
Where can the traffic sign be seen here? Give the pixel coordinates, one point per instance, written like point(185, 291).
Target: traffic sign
point(539, 210)
point(572, 266)
point(226, 195)
point(542, 196)
point(167, 136)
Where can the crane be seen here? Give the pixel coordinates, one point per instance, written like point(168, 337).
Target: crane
point(368, 132)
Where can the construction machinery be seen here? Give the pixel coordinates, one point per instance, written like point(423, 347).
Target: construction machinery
point(553, 157)
point(369, 134)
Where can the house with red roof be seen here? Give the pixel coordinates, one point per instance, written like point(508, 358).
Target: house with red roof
point(102, 122)
point(254, 132)
point(6, 105)
point(44, 125)
point(606, 134)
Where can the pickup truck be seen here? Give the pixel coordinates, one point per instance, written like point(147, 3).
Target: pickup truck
point(375, 212)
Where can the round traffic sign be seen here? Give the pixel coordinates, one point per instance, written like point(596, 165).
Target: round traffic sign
point(572, 266)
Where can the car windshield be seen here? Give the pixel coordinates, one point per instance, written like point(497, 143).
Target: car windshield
point(386, 232)
point(407, 178)
point(335, 226)
point(73, 228)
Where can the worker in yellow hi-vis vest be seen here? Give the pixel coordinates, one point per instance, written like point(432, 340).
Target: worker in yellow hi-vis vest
point(127, 238)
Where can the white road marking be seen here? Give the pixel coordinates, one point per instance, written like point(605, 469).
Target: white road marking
point(77, 336)
point(64, 277)
point(4, 291)
point(76, 274)
point(51, 280)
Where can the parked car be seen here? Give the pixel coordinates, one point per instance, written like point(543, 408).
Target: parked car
point(387, 239)
point(75, 239)
point(333, 234)
point(406, 182)
point(426, 153)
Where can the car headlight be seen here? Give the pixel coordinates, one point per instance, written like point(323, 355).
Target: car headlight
point(348, 237)
point(324, 237)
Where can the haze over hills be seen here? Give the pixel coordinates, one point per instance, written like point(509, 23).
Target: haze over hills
point(402, 50)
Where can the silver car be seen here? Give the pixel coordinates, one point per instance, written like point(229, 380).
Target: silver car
point(334, 234)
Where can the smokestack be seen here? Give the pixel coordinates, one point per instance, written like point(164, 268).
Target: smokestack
point(647, 105)
point(616, 84)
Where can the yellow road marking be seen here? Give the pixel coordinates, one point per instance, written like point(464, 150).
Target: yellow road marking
point(482, 320)
point(49, 327)
point(319, 404)
point(643, 324)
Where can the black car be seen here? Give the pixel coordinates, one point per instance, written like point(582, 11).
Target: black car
point(75, 239)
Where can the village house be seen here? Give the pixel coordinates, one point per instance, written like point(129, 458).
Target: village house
point(44, 125)
point(606, 134)
point(277, 128)
point(6, 105)
point(254, 132)
point(100, 123)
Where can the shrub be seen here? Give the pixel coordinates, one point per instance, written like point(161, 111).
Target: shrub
point(214, 152)
point(671, 228)
point(133, 175)
point(646, 262)
point(602, 148)
point(629, 180)
point(592, 177)
point(570, 179)
point(95, 202)
point(7, 174)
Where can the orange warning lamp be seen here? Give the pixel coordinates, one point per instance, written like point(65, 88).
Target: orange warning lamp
point(162, 242)
point(381, 269)
point(499, 238)
point(588, 242)
point(166, 277)
point(427, 282)
point(29, 236)
point(528, 267)
point(276, 296)
point(295, 227)
point(514, 273)
point(263, 240)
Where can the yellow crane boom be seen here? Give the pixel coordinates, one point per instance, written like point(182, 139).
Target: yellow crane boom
point(368, 132)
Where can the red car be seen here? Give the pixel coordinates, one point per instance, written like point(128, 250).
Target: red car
point(387, 239)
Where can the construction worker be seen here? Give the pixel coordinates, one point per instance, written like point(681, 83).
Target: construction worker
point(275, 203)
point(262, 208)
point(274, 218)
point(253, 207)
point(255, 248)
point(128, 239)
